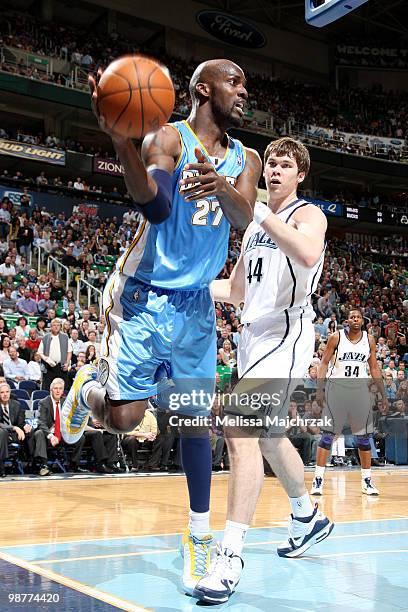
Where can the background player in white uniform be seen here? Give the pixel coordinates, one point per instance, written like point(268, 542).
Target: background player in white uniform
point(348, 356)
point(278, 270)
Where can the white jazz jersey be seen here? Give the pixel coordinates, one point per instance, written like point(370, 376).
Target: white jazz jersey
point(350, 360)
point(276, 285)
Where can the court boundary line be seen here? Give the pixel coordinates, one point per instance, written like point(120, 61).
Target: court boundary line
point(140, 553)
point(83, 588)
point(179, 533)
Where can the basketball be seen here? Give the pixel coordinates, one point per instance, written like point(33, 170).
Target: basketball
point(135, 95)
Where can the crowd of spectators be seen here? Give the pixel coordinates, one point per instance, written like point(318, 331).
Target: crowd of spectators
point(37, 308)
point(365, 111)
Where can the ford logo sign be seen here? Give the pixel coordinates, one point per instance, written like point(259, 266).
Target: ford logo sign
point(232, 30)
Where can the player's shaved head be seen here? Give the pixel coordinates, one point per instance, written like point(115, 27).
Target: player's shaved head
point(210, 72)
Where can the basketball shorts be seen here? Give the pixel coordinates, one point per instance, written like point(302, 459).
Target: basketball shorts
point(158, 342)
point(273, 358)
point(348, 403)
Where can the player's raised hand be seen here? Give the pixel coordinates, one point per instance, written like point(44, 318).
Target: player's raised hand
point(93, 86)
point(205, 180)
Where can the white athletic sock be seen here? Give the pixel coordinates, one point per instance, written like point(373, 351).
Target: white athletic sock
point(301, 506)
point(365, 473)
point(234, 536)
point(319, 471)
point(199, 523)
point(87, 387)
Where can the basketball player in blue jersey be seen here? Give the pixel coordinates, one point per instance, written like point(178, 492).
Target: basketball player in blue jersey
point(192, 182)
point(276, 274)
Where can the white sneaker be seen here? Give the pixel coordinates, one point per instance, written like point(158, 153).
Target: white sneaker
point(368, 488)
point(304, 533)
point(317, 486)
point(196, 555)
point(222, 578)
point(74, 412)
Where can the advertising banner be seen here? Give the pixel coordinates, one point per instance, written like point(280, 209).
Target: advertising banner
point(34, 152)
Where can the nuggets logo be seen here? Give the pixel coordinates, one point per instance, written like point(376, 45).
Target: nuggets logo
point(103, 372)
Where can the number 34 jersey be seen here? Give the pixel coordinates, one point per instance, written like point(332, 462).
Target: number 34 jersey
point(275, 285)
point(350, 358)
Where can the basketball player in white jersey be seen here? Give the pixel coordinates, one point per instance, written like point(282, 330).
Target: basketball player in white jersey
point(276, 274)
point(348, 357)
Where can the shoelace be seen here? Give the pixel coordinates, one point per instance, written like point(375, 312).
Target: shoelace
point(201, 552)
point(220, 561)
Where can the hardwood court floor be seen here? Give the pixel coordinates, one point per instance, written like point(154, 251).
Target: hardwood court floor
point(97, 545)
point(63, 510)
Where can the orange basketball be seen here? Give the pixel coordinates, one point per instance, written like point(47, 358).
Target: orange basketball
point(135, 95)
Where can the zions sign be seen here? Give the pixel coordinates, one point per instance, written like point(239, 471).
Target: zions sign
point(232, 30)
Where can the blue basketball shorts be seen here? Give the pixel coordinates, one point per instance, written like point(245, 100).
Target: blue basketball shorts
point(157, 339)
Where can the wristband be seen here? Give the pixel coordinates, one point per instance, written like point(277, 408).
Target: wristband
point(158, 210)
point(261, 212)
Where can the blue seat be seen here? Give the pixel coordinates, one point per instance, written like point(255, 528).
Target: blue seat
point(20, 394)
point(11, 383)
point(39, 394)
point(28, 385)
point(35, 404)
point(24, 405)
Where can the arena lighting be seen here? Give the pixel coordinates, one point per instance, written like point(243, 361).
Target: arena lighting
point(331, 10)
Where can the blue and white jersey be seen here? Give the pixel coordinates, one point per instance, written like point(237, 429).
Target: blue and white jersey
point(187, 250)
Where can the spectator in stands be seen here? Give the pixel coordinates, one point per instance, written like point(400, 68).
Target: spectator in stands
point(45, 303)
point(26, 305)
point(390, 387)
point(323, 305)
point(311, 381)
point(15, 368)
point(41, 180)
point(391, 369)
point(33, 341)
point(22, 329)
point(34, 368)
point(7, 268)
point(104, 445)
point(5, 220)
point(22, 350)
point(7, 304)
point(227, 355)
point(40, 326)
point(77, 344)
point(55, 351)
point(90, 355)
point(12, 424)
point(145, 432)
point(25, 239)
point(48, 433)
point(5, 344)
point(68, 259)
point(79, 184)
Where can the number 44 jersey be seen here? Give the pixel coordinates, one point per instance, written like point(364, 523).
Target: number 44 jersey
point(275, 285)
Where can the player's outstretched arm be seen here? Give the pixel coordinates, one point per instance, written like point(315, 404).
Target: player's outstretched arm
point(375, 373)
point(231, 290)
point(329, 351)
point(302, 242)
point(236, 202)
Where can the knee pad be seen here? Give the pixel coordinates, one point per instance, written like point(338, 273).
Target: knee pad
point(326, 441)
point(363, 443)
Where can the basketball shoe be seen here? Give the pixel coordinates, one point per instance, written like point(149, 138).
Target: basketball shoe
point(222, 578)
point(304, 532)
point(317, 486)
point(196, 554)
point(74, 411)
point(368, 488)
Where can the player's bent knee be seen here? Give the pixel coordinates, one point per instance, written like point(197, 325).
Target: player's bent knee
point(123, 416)
point(326, 441)
point(363, 443)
